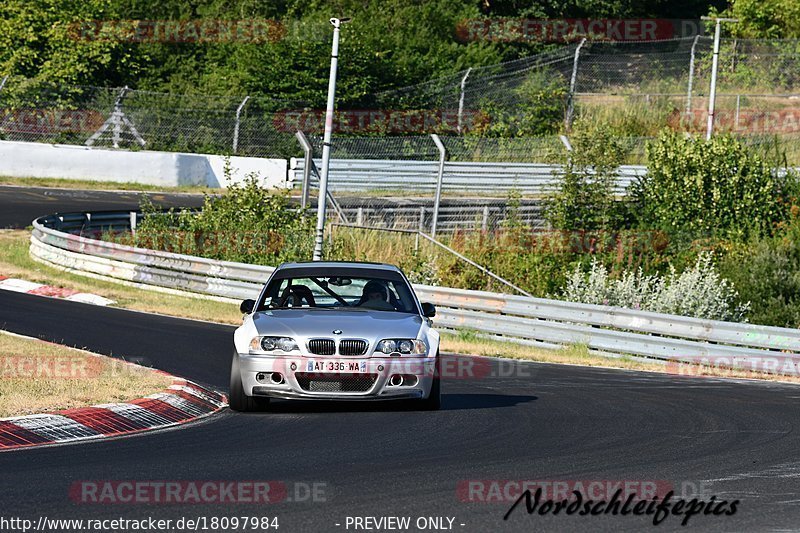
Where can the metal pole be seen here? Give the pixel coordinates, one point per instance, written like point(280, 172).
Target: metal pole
point(437, 200)
point(691, 78)
point(236, 127)
point(714, 65)
point(572, 82)
point(461, 99)
point(736, 119)
point(326, 141)
point(308, 160)
point(3, 83)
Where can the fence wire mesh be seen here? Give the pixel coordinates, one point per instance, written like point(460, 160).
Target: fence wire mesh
point(507, 112)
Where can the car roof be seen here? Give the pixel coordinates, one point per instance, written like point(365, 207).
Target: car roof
point(339, 264)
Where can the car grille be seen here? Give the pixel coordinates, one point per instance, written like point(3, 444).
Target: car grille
point(312, 382)
point(322, 346)
point(352, 347)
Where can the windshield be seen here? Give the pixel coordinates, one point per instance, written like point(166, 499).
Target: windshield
point(336, 292)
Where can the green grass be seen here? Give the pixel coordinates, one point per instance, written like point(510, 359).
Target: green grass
point(15, 261)
point(104, 185)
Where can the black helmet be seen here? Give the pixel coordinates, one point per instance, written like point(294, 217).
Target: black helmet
point(376, 286)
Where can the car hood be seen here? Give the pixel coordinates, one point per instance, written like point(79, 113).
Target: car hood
point(321, 323)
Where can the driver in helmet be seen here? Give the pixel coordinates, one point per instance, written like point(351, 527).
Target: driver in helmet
point(376, 296)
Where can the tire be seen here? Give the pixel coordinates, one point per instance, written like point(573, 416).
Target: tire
point(434, 400)
point(238, 400)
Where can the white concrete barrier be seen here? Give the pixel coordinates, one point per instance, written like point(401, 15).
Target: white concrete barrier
point(38, 160)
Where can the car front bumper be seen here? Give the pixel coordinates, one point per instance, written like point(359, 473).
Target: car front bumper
point(296, 383)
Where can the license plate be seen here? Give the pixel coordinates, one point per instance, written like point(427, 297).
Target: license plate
point(327, 365)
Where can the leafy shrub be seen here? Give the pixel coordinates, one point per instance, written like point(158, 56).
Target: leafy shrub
point(767, 272)
point(584, 199)
point(247, 224)
point(538, 110)
point(698, 292)
point(702, 187)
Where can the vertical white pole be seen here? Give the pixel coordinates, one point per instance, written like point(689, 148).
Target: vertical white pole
point(326, 143)
point(572, 82)
point(712, 94)
point(461, 100)
point(691, 79)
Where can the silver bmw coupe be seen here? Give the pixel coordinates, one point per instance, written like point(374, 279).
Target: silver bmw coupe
point(335, 331)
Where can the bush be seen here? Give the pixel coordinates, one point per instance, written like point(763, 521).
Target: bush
point(702, 187)
point(767, 272)
point(247, 224)
point(697, 292)
point(584, 199)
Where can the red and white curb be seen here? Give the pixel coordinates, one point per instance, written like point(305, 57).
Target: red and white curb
point(183, 401)
point(29, 287)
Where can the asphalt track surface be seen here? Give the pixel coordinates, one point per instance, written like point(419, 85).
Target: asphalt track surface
point(521, 421)
point(19, 206)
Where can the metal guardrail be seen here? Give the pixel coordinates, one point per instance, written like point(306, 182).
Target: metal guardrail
point(469, 177)
point(515, 318)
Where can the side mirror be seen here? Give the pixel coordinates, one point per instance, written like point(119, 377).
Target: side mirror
point(246, 307)
point(428, 310)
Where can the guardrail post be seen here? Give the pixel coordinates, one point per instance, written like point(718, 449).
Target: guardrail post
point(691, 78)
point(133, 223)
point(307, 162)
point(360, 216)
point(437, 200)
point(236, 126)
point(572, 82)
point(485, 221)
point(420, 227)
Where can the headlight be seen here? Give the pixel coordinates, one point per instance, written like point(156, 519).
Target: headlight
point(402, 346)
point(269, 344)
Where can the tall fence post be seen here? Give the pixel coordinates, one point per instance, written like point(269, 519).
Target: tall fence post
point(236, 126)
point(437, 200)
point(691, 78)
point(461, 100)
point(572, 83)
point(712, 93)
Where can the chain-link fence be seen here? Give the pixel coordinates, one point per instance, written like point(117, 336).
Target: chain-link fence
point(513, 111)
point(125, 118)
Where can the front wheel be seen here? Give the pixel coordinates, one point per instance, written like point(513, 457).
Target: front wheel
point(239, 401)
point(434, 400)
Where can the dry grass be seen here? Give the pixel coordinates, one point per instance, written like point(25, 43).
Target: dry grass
point(64, 183)
point(39, 377)
point(16, 262)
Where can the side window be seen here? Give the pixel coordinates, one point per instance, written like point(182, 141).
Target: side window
point(274, 296)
